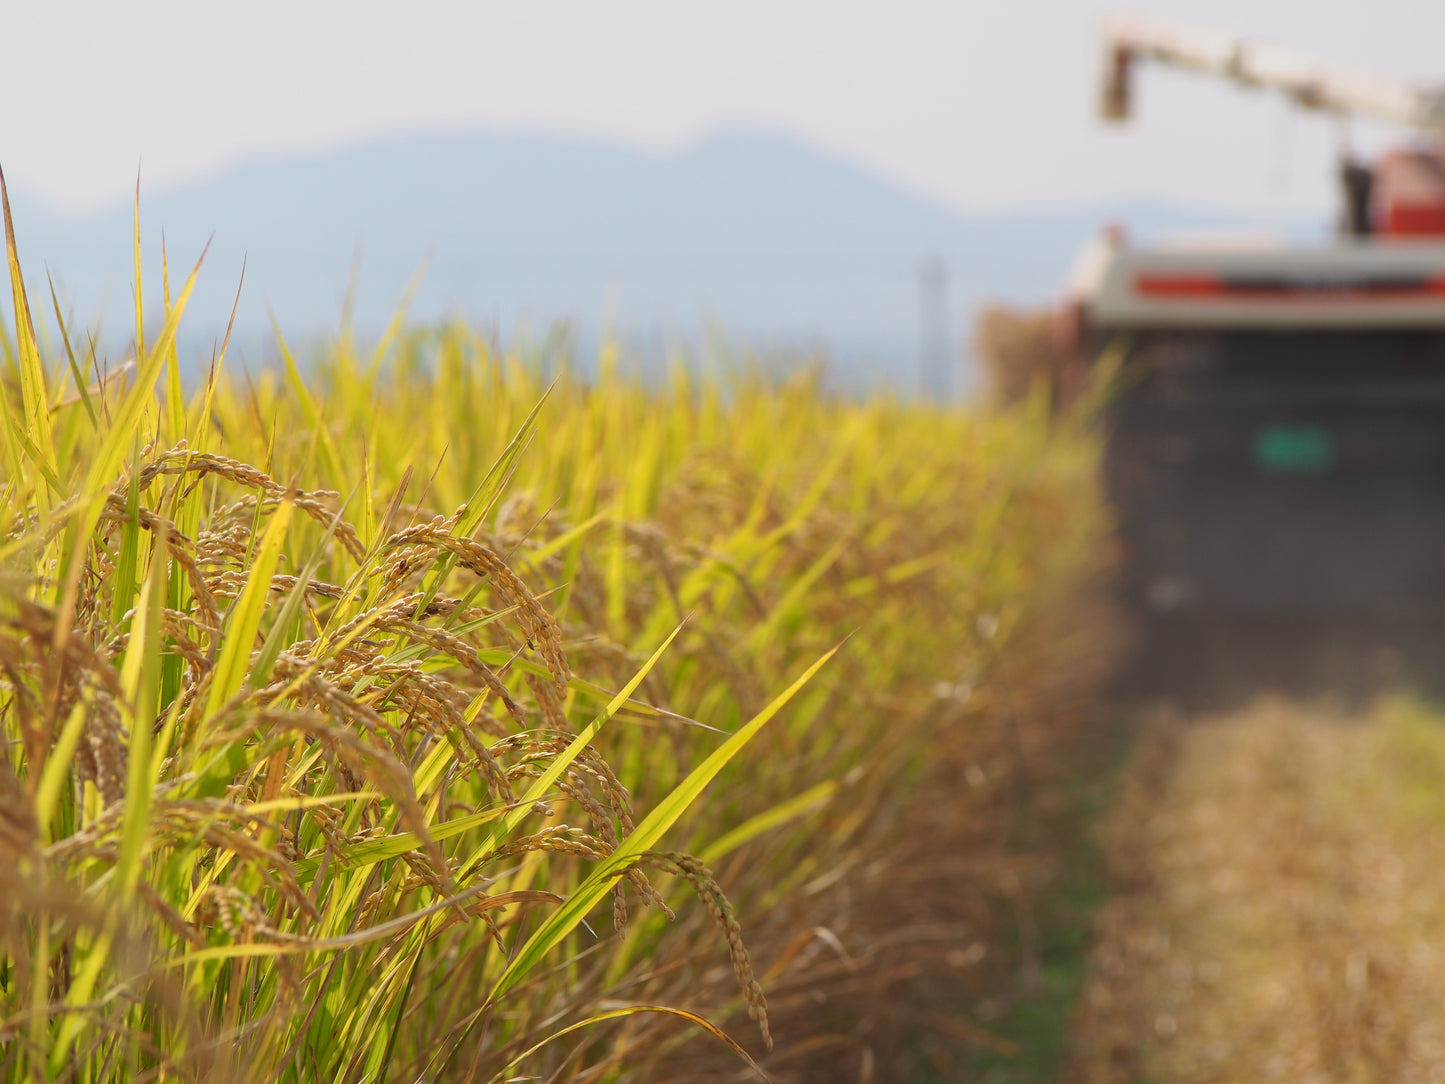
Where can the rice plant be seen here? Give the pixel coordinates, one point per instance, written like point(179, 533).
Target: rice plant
point(339, 704)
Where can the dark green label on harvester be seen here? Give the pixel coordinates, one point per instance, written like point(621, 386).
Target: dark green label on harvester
point(1294, 449)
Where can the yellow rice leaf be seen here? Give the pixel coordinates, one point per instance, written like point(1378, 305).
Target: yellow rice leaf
point(560, 923)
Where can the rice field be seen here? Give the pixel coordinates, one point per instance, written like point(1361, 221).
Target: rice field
point(397, 714)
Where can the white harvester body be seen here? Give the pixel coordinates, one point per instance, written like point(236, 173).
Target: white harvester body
point(1247, 283)
point(1387, 268)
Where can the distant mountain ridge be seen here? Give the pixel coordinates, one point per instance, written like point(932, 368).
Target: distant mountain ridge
point(772, 240)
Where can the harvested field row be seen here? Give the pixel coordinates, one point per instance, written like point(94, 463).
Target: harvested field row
point(1280, 909)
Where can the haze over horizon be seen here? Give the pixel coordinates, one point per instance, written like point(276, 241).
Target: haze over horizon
point(979, 109)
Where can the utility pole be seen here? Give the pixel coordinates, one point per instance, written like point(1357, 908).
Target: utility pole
point(933, 339)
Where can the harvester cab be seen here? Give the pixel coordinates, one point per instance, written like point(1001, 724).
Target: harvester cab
point(1277, 446)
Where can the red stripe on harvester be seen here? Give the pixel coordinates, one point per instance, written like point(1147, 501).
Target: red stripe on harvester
point(1211, 286)
point(1179, 285)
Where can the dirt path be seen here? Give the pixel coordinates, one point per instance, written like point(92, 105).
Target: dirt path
point(1280, 902)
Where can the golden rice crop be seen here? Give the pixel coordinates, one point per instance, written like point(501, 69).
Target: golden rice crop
point(337, 706)
point(1021, 348)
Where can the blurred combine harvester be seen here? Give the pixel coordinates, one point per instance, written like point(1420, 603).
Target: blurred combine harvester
point(1278, 447)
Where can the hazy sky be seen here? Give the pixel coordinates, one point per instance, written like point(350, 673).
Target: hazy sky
point(982, 104)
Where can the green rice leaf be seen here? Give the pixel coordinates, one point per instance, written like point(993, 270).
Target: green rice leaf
point(32, 373)
point(561, 922)
point(245, 617)
point(815, 797)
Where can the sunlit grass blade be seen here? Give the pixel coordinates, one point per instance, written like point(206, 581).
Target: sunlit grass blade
point(138, 284)
point(142, 393)
point(811, 799)
point(140, 681)
point(32, 372)
point(244, 619)
point(175, 394)
point(82, 382)
point(58, 766)
point(490, 487)
point(560, 923)
point(310, 409)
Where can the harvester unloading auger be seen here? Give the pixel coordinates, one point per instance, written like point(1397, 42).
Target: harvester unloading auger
point(1279, 445)
point(1309, 84)
point(1407, 188)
